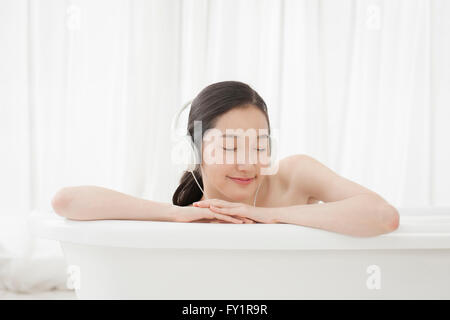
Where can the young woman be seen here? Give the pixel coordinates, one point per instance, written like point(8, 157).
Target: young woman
point(239, 191)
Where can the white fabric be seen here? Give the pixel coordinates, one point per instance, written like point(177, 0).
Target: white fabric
point(29, 264)
point(88, 89)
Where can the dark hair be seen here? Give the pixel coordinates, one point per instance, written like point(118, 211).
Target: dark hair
point(213, 101)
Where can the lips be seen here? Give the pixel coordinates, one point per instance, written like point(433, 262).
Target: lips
point(243, 181)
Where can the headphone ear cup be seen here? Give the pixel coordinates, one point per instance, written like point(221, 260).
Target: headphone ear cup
point(182, 154)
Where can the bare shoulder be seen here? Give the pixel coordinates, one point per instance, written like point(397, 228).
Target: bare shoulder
point(290, 165)
point(310, 178)
point(293, 188)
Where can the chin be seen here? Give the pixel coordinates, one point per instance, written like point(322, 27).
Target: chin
point(240, 195)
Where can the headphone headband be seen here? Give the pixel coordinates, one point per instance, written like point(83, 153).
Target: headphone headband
point(192, 150)
point(177, 116)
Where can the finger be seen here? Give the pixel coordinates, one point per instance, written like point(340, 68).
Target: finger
point(227, 211)
point(201, 220)
point(206, 203)
point(219, 209)
point(213, 220)
point(226, 218)
point(247, 220)
point(244, 220)
point(205, 200)
point(201, 204)
point(220, 203)
point(230, 212)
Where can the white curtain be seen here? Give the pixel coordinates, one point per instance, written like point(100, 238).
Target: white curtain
point(88, 89)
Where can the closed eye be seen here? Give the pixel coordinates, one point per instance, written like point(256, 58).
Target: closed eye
point(234, 149)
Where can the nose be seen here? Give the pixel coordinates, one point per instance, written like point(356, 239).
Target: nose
point(245, 167)
point(246, 157)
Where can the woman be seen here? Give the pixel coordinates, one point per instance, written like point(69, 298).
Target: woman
point(239, 191)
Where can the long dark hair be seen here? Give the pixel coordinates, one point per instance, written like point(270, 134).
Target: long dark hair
point(213, 101)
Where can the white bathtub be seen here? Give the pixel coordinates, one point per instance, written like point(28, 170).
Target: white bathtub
point(123, 259)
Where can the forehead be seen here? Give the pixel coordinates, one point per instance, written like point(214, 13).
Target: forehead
point(248, 117)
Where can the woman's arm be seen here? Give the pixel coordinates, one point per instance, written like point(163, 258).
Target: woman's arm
point(98, 203)
point(348, 207)
point(364, 215)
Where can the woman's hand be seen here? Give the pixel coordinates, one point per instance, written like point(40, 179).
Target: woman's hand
point(237, 209)
point(198, 214)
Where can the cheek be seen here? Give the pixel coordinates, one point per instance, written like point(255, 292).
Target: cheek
point(218, 174)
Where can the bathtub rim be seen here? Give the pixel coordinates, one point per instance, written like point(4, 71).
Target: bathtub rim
point(414, 232)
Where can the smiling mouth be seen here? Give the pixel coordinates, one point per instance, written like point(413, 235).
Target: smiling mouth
point(242, 180)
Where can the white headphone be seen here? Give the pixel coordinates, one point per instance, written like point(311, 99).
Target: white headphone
point(188, 145)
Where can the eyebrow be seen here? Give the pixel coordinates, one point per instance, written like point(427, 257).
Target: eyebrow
point(233, 135)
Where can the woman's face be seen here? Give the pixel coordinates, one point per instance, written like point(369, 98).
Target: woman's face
point(237, 147)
